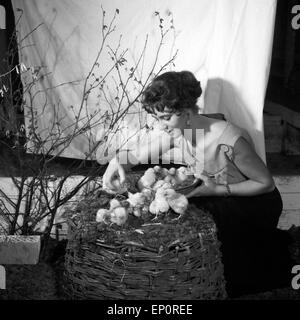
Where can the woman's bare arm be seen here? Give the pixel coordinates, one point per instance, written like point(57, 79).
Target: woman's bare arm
point(250, 164)
point(259, 178)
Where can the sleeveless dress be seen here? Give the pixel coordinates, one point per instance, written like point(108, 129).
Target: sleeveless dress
point(255, 253)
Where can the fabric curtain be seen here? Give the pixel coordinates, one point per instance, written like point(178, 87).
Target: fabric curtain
point(225, 43)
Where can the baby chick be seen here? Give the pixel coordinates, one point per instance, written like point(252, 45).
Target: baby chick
point(119, 216)
point(172, 171)
point(170, 179)
point(147, 180)
point(148, 193)
point(114, 203)
point(181, 174)
point(159, 205)
point(136, 199)
point(102, 215)
point(178, 202)
point(157, 169)
point(158, 184)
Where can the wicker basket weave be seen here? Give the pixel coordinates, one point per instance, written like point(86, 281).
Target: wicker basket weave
point(172, 259)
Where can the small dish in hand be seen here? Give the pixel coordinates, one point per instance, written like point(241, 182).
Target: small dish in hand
point(190, 187)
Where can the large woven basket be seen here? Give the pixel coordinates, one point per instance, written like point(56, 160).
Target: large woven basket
point(167, 259)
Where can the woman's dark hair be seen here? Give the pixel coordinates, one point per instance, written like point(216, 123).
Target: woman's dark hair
point(172, 90)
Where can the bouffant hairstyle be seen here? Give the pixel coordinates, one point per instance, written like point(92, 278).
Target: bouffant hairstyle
point(172, 90)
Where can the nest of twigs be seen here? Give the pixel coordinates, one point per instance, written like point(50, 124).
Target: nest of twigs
point(172, 257)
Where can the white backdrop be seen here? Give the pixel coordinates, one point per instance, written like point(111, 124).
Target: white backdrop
point(226, 43)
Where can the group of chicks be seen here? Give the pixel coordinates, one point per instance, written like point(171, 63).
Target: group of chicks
point(156, 195)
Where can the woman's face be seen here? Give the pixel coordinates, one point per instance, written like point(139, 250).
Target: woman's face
point(170, 120)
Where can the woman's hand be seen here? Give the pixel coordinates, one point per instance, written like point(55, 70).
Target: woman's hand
point(113, 172)
point(208, 187)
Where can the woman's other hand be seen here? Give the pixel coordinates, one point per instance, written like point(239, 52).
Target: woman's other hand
point(207, 188)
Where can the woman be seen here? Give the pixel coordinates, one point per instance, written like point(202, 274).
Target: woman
point(237, 188)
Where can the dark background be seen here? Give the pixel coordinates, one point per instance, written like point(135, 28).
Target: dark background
point(284, 82)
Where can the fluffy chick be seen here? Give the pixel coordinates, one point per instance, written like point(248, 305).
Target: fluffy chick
point(181, 174)
point(158, 184)
point(147, 180)
point(119, 216)
point(178, 202)
point(149, 171)
point(159, 205)
point(157, 169)
point(170, 179)
point(148, 193)
point(136, 199)
point(102, 215)
point(114, 203)
point(172, 171)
